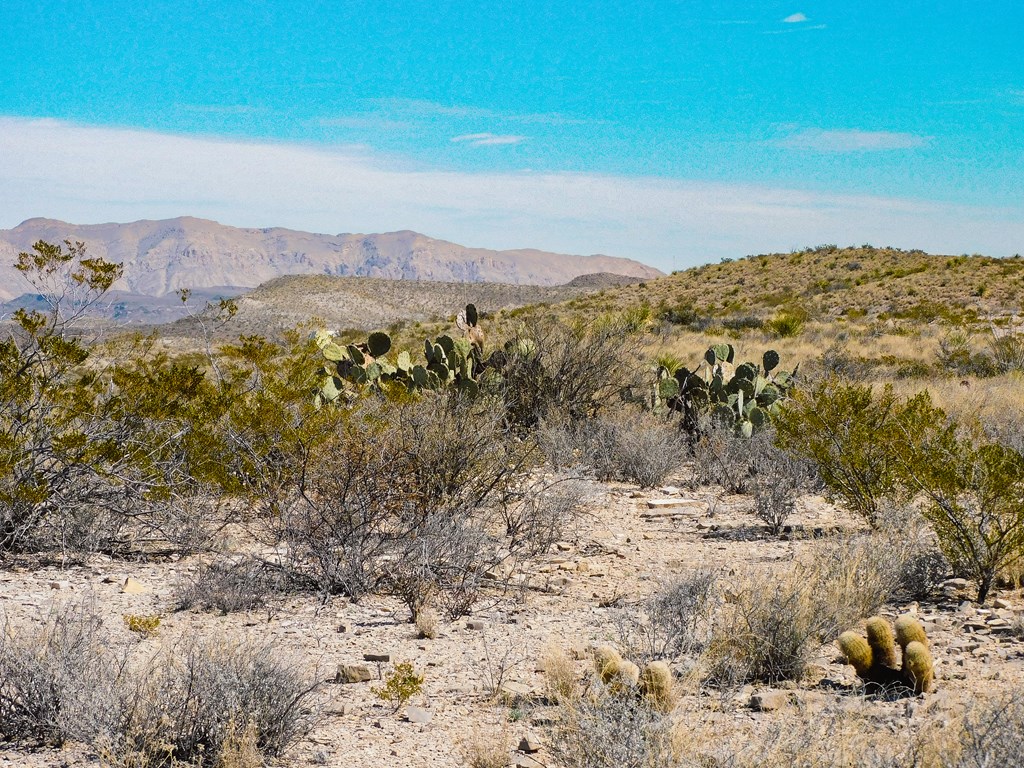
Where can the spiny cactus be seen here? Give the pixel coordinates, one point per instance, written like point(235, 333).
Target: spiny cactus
point(656, 686)
point(874, 659)
point(918, 667)
point(743, 397)
point(607, 662)
point(880, 638)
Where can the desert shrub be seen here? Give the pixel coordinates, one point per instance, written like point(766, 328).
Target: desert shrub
point(975, 500)
point(245, 584)
point(722, 458)
point(628, 444)
point(989, 735)
point(400, 685)
point(854, 436)
point(198, 697)
point(540, 511)
point(774, 624)
point(754, 465)
point(676, 620)
point(612, 731)
point(92, 447)
point(578, 370)
point(62, 681)
point(398, 498)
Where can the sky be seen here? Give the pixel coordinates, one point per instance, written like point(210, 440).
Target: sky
point(675, 133)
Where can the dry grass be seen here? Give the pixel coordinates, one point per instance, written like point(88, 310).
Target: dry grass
point(488, 747)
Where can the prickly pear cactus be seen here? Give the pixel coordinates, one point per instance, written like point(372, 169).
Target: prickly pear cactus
point(743, 397)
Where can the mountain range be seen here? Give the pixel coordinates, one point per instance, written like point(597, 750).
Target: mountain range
point(160, 257)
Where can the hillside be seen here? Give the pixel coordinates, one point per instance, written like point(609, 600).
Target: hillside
point(830, 282)
point(369, 303)
point(160, 257)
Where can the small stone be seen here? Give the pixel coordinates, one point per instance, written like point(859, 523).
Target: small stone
point(418, 715)
point(667, 503)
point(60, 585)
point(133, 587)
point(343, 628)
point(1001, 603)
point(529, 744)
point(380, 658)
point(475, 625)
point(353, 673)
point(768, 701)
point(525, 761)
point(563, 546)
point(516, 693)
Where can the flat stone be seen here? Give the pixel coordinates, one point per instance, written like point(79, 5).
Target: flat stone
point(1001, 603)
point(672, 503)
point(60, 585)
point(525, 761)
point(530, 743)
point(418, 715)
point(768, 701)
point(380, 658)
point(133, 587)
point(513, 692)
point(353, 673)
point(475, 625)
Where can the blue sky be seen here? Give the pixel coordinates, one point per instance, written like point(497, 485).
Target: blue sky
point(672, 132)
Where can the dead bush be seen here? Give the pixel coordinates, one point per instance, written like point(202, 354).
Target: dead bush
point(62, 681)
point(990, 735)
point(400, 499)
point(675, 621)
point(614, 731)
point(627, 444)
point(199, 699)
point(537, 513)
point(553, 370)
point(246, 584)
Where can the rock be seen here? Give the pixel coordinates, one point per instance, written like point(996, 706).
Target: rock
point(418, 715)
point(60, 585)
point(1001, 603)
point(353, 673)
point(956, 583)
point(670, 503)
point(133, 587)
point(563, 546)
point(380, 658)
point(516, 693)
point(525, 761)
point(343, 628)
point(475, 625)
point(768, 701)
point(529, 744)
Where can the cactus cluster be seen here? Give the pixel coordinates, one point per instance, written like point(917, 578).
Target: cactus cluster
point(744, 397)
point(874, 659)
point(654, 685)
point(448, 361)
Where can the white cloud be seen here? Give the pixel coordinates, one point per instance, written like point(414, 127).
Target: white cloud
point(851, 140)
point(795, 18)
point(90, 174)
point(487, 139)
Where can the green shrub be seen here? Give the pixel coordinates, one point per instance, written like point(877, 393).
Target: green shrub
point(975, 500)
point(400, 685)
point(855, 436)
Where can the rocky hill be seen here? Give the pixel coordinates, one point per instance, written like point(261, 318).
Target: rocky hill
point(160, 257)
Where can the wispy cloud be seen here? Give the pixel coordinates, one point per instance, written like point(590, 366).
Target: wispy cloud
point(487, 139)
point(795, 18)
point(423, 107)
point(91, 174)
point(851, 140)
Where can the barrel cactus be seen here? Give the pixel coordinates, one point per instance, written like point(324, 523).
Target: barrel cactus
point(874, 659)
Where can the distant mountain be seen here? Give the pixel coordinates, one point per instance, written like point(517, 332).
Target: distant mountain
point(160, 257)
